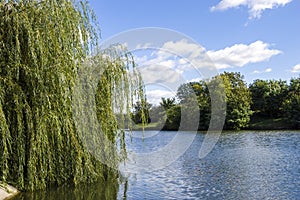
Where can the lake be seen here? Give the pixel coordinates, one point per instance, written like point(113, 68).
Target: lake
point(242, 165)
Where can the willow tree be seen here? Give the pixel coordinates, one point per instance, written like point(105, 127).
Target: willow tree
point(42, 47)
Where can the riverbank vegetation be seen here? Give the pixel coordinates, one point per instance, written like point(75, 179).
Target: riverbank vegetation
point(262, 105)
point(43, 48)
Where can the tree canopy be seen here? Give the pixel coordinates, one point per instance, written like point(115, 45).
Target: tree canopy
point(268, 96)
point(238, 100)
point(263, 100)
point(43, 45)
point(291, 104)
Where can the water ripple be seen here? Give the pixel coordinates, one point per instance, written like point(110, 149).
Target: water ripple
point(243, 165)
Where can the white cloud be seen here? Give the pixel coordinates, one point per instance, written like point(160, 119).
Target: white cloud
point(171, 63)
point(171, 60)
point(183, 48)
point(166, 67)
point(154, 96)
point(188, 56)
point(240, 55)
point(140, 59)
point(157, 73)
point(195, 80)
point(256, 7)
point(237, 55)
point(168, 63)
point(296, 69)
point(144, 46)
point(268, 70)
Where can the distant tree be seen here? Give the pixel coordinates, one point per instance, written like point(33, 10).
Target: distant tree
point(167, 103)
point(268, 96)
point(185, 92)
point(294, 86)
point(203, 97)
point(159, 113)
point(156, 113)
point(189, 92)
point(291, 105)
point(259, 90)
point(200, 89)
point(141, 110)
point(238, 100)
point(173, 118)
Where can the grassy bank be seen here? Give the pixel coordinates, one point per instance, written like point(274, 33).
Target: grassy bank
point(260, 123)
point(150, 126)
point(257, 123)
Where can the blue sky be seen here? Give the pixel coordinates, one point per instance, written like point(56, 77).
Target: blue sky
point(259, 38)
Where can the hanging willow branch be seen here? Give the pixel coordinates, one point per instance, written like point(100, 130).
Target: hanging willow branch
point(42, 47)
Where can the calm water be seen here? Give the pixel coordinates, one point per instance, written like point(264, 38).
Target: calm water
point(243, 165)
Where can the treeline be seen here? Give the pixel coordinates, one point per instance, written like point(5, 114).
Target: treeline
point(273, 102)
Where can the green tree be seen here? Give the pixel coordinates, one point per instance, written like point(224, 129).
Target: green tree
point(173, 118)
point(185, 92)
point(291, 105)
point(141, 112)
point(167, 103)
point(268, 96)
point(258, 90)
point(42, 47)
point(238, 100)
point(203, 97)
point(157, 114)
point(189, 92)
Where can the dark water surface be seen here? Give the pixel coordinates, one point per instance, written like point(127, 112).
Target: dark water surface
point(242, 165)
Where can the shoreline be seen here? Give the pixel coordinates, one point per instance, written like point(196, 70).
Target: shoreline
point(256, 124)
point(224, 130)
point(7, 191)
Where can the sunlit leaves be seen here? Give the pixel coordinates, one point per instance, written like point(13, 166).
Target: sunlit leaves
point(43, 45)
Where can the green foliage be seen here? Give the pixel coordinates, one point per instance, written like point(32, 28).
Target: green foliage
point(157, 114)
point(189, 92)
point(185, 92)
point(271, 104)
point(238, 100)
point(267, 103)
point(203, 97)
point(291, 105)
point(42, 47)
point(141, 112)
point(173, 118)
point(167, 103)
point(292, 109)
point(294, 86)
point(268, 96)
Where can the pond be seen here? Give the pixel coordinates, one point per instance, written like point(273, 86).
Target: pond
point(242, 165)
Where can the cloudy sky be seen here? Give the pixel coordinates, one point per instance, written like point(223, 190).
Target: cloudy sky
point(259, 38)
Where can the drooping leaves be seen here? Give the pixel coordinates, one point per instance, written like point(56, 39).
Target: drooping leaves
point(42, 47)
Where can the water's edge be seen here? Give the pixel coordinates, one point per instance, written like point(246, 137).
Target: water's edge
point(7, 191)
point(243, 164)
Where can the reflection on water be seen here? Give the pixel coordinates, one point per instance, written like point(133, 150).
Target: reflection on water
point(243, 165)
point(100, 190)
